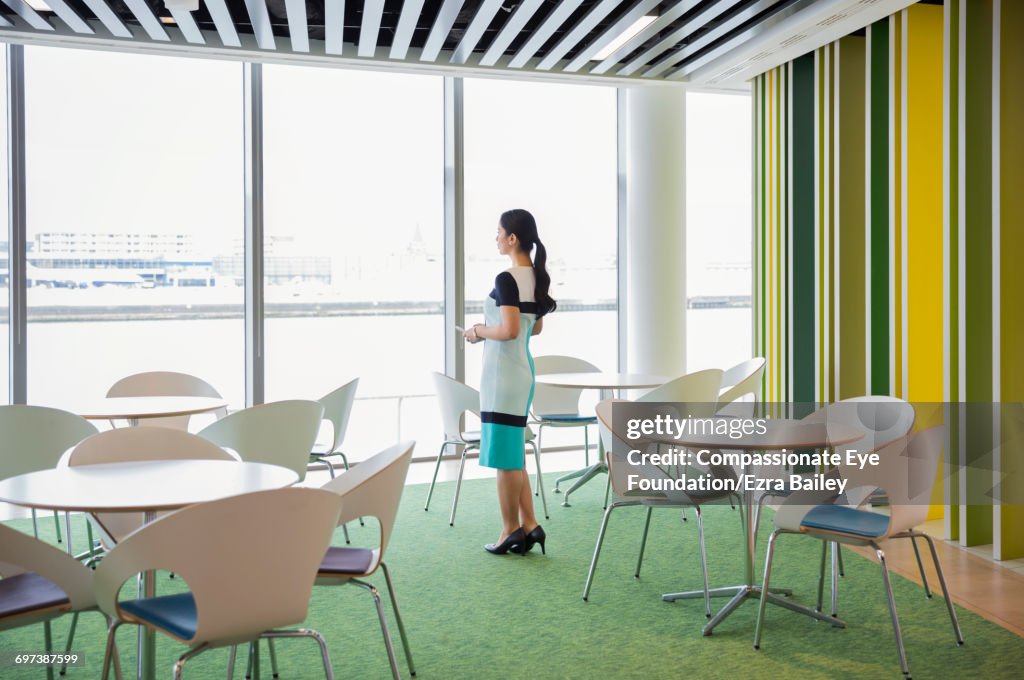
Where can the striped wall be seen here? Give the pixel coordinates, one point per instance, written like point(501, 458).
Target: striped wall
point(889, 218)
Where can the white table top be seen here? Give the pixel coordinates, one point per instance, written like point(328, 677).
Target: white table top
point(603, 381)
point(141, 486)
point(781, 434)
point(146, 407)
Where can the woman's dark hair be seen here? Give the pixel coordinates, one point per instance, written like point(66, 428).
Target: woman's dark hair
point(521, 223)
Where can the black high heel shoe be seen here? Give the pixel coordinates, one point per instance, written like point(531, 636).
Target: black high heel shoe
point(537, 536)
point(514, 543)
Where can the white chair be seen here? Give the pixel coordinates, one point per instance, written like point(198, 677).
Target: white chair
point(906, 471)
point(455, 399)
point(337, 410)
point(560, 406)
point(165, 384)
point(373, 488)
point(134, 444)
point(39, 583)
point(238, 591)
point(694, 394)
point(742, 381)
point(279, 433)
point(34, 438)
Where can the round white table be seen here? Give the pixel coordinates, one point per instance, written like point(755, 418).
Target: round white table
point(606, 382)
point(146, 487)
point(780, 434)
point(134, 409)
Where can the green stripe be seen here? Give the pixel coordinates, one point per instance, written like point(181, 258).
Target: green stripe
point(803, 229)
point(879, 210)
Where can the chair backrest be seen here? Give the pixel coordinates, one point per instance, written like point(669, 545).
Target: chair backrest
point(454, 399)
point(742, 380)
point(907, 475)
point(164, 384)
point(338, 408)
point(280, 433)
point(35, 437)
point(249, 560)
point(551, 400)
point(131, 444)
point(373, 488)
point(21, 553)
point(695, 393)
point(882, 419)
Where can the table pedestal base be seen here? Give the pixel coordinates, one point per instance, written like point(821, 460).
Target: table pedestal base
point(742, 593)
point(584, 476)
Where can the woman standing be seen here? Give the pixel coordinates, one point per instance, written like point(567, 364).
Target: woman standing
point(513, 312)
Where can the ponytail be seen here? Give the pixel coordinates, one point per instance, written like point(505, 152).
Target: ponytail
point(541, 291)
point(521, 223)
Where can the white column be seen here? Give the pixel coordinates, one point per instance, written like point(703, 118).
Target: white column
point(656, 229)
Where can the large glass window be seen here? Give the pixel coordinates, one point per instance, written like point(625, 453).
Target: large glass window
point(354, 257)
point(135, 216)
point(718, 235)
point(549, 148)
point(5, 393)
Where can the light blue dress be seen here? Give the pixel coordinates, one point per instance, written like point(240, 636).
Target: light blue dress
point(506, 386)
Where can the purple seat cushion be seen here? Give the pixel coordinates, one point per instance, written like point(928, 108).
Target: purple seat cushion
point(26, 593)
point(346, 561)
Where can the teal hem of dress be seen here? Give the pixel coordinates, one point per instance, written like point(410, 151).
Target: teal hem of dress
point(501, 446)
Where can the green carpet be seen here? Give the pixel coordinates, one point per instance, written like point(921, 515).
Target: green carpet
point(474, 615)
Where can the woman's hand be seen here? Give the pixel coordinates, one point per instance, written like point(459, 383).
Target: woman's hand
point(471, 336)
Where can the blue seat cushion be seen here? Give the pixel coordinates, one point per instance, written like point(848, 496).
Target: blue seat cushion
point(568, 418)
point(28, 593)
point(842, 519)
point(175, 614)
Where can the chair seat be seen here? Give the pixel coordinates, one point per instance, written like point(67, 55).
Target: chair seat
point(26, 593)
point(346, 561)
point(175, 614)
point(567, 418)
point(842, 519)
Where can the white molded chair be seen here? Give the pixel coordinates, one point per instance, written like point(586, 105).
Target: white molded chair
point(906, 471)
point(39, 583)
point(279, 433)
point(165, 384)
point(337, 410)
point(238, 590)
point(741, 381)
point(373, 488)
point(35, 438)
point(455, 399)
point(560, 406)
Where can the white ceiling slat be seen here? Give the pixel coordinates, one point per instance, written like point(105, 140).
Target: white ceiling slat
point(187, 26)
point(667, 43)
point(614, 31)
point(298, 27)
point(659, 24)
point(441, 28)
point(483, 18)
point(260, 20)
point(547, 28)
point(70, 17)
point(146, 19)
point(578, 32)
point(334, 26)
point(406, 26)
point(510, 30)
point(31, 17)
point(222, 20)
point(108, 18)
point(369, 28)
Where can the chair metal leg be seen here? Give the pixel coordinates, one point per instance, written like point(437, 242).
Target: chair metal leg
point(251, 664)
point(537, 486)
point(433, 480)
point(835, 579)
point(765, 588)
point(35, 525)
point(821, 575)
point(48, 647)
point(71, 639)
point(684, 514)
point(540, 485)
point(945, 592)
point(703, 561)
point(458, 486)
point(643, 542)
point(839, 559)
point(892, 611)
point(231, 661)
point(56, 524)
point(273, 658)
point(109, 651)
point(398, 618)
point(67, 537)
point(597, 550)
point(586, 446)
point(607, 490)
point(383, 626)
point(344, 461)
point(920, 565)
point(179, 665)
point(305, 632)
